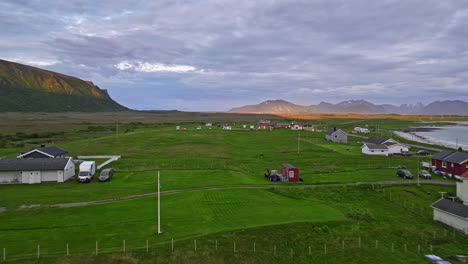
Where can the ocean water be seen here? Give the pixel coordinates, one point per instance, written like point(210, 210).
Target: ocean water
point(456, 135)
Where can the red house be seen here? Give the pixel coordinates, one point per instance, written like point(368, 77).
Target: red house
point(452, 162)
point(290, 172)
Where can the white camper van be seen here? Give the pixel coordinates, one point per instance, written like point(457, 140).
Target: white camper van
point(87, 170)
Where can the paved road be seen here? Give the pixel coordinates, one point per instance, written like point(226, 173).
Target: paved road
point(411, 145)
point(132, 197)
point(110, 159)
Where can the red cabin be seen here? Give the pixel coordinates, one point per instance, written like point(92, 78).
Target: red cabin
point(290, 172)
point(452, 162)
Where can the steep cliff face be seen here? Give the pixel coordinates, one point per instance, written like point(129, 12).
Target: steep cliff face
point(25, 88)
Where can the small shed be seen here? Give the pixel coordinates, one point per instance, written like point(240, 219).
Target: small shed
point(290, 172)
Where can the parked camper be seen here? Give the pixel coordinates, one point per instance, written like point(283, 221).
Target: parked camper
point(87, 171)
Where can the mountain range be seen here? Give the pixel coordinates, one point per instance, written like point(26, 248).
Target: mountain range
point(447, 107)
point(28, 89)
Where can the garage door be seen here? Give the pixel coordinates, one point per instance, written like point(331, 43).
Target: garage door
point(49, 176)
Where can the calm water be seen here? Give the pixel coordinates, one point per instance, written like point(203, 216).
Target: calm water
point(449, 134)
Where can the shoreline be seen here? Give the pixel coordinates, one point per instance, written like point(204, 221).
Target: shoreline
point(413, 136)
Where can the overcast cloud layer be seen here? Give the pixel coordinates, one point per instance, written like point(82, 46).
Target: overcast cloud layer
point(215, 54)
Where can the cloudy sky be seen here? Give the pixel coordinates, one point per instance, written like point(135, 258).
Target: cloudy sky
point(214, 55)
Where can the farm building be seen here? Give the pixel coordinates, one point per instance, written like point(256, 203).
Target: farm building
point(308, 127)
point(264, 125)
point(296, 126)
point(290, 172)
point(382, 146)
point(37, 170)
point(453, 213)
point(282, 125)
point(43, 152)
point(451, 162)
point(336, 135)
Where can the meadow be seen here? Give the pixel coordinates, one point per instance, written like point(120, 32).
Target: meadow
point(285, 216)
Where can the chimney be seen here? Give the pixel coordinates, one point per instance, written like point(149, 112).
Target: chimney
point(42, 146)
point(334, 129)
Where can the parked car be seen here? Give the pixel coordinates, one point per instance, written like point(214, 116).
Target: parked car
point(422, 153)
point(424, 174)
point(404, 174)
point(106, 175)
point(406, 153)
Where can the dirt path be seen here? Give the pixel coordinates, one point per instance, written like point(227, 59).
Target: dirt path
point(131, 197)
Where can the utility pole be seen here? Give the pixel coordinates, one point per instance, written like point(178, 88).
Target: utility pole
point(298, 141)
point(159, 206)
point(117, 129)
point(418, 174)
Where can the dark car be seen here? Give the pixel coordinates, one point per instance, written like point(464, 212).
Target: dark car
point(422, 153)
point(106, 175)
point(424, 174)
point(406, 153)
point(404, 174)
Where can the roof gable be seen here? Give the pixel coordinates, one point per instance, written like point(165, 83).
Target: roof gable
point(376, 146)
point(376, 140)
point(52, 151)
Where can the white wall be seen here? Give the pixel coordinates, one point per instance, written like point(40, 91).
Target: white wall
point(396, 148)
point(10, 177)
point(69, 170)
point(462, 191)
point(451, 220)
point(31, 177)
point(366, 150)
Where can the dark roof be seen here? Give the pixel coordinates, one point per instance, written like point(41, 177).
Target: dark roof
point(441, 155)
point(51, 150)
point(449, 206)
point(288, 166)
point(39, 164)
point(451, 156)
point(376, 140)
point(332, 130)
point(375, 146)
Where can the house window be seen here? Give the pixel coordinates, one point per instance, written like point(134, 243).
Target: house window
point(452, 165)
point(382, 151)
point(444, 164)
point(372, 151)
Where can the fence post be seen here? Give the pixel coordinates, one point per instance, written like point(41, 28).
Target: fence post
point(172, 248)
point(123, 246)
point(376, 243)
point(310, 251)
point(359, 242)
point(234, 246)
point(68, 250)
point(292, 252)
point(325, 247)
point(216, 244)
point(96, 248)
point(406, 248)
point(393, 247)
point(430, 247)
point(195, 244)
point(38, 251)
point(434, 234)
point(254, 247)
point(419, 249)
point(274, 251)
point(4, 254)
point(147, 246)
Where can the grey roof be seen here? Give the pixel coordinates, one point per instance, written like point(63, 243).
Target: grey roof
point(441, 155)
point(51, 150)
point(376, 140)
point(288, 166)
point(332, 131)
point(449, 206)
point(375, 146)
point(39, 164)
point(456, 157)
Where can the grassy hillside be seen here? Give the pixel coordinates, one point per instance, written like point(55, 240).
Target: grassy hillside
point(28, 89)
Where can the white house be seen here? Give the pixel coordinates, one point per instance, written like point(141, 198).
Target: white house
point(453, 213)
point(37, 170)
point(382, 146)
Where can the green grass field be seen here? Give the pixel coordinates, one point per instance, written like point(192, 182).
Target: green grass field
point(290, 218)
